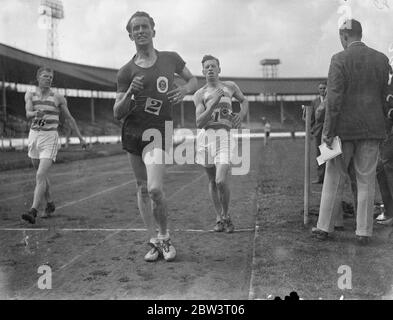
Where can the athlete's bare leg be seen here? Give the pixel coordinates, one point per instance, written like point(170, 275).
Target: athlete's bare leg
point(155, 169)
point(222, 182)
point(213, 191)
point(47, 195)
point(144, 203)
point(42, 183)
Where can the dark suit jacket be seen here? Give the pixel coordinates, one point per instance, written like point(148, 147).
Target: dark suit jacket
point(316, 120)
point(357, 89)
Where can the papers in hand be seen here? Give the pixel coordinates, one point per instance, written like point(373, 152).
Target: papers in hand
point(327, 154)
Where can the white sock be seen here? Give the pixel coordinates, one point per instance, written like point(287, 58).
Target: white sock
point(153, 240)
point(163, 237)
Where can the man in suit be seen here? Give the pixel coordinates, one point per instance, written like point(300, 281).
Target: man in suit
point(317, 119)
point(355, 111)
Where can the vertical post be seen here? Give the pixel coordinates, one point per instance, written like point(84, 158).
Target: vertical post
point(92, 113)
point(182, 114)
point(307, 165)
point(282, 111)
point(248, 116)
point(4, 97)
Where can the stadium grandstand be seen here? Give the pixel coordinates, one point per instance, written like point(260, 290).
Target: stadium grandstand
point(90, 92)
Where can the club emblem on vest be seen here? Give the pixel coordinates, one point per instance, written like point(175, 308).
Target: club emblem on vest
point(225, 111)
point(162, 85)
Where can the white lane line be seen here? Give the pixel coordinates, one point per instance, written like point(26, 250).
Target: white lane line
point(118, 230)
point(185, 171)
point(87, 174)
point(82, 179)
point(68, 204)
point(23, 229)
point(186, 186)
point(251, 291)
point(76, 258)
point(59, 186)
point(31, 173)
point(86, 251)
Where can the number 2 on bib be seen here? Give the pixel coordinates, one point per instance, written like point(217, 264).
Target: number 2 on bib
point(153, 106)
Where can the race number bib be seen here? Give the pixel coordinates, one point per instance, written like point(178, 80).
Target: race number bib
point(153, 106)
point(222, 112)
point(39, 122)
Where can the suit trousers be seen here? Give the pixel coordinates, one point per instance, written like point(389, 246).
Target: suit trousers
point(365, 158)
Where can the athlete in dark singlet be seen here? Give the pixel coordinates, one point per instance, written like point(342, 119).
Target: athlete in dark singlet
point(151, 106)
point(145, 94)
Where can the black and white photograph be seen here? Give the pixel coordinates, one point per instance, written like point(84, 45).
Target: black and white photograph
point(216, 151)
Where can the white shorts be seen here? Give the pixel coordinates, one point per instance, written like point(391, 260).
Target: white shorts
point(214, 147)
point(43, 144)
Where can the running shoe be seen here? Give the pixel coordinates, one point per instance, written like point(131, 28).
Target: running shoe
point(50, 208)
point(30, 216)
point(381, 217)
point(153, 253)
point(363, 240)
point(219, 227)
point(386, 222)
point(167, 249)
point(228, 226)
point(319, 234)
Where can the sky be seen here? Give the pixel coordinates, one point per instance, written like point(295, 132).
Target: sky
point(303, 34)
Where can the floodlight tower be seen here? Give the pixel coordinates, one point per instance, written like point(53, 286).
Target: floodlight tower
point(50, 13)
point(270, 67)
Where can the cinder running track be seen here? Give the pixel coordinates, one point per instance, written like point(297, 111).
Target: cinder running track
point(95, 243)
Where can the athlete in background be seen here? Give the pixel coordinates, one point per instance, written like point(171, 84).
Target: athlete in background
point(214, 116)
point(43, 107)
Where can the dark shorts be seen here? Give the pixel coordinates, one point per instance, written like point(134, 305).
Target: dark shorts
point(132, 139)
point(267, 134)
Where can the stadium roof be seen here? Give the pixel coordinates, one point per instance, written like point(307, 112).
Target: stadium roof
point(17, 66)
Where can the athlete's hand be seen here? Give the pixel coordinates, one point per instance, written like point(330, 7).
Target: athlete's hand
point(39, 113)
point(236, 120)
point(177, 95)
point(136, 86)
point(216, 96)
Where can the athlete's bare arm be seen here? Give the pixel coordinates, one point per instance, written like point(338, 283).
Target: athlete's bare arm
point(204, 112)
point(67, 115)
point(123, 99)
point(30, 113)
point(179, 93)
point(239, 96)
